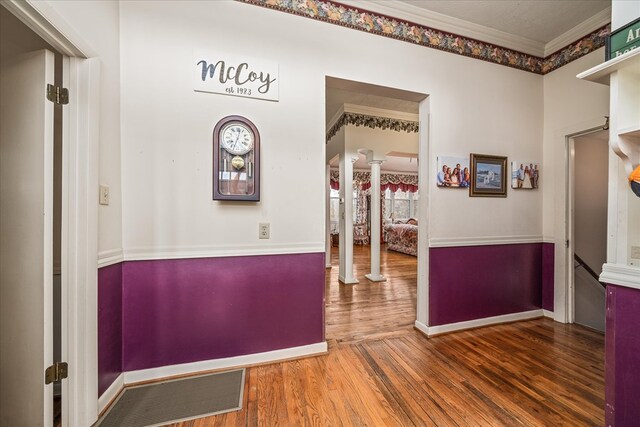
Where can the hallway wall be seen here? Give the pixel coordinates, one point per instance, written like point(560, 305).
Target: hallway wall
point(167, 139)
point(570, 105)
point(166, 133)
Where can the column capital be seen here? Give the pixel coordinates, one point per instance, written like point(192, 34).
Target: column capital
point(376, 162)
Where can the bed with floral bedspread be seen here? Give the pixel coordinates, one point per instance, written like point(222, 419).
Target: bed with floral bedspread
point(402, 238)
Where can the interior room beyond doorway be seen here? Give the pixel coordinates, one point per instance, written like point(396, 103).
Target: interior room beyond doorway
point(373, 214)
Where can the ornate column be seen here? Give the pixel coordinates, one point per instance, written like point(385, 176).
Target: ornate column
point(375, 275)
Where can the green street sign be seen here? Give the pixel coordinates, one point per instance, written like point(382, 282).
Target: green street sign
point(623, 40)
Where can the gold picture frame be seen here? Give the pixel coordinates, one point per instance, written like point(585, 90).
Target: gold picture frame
point(488, 176)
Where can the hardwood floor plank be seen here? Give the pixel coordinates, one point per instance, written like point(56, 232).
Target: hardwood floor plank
point(381, 372)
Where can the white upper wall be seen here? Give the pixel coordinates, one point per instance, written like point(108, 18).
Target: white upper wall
point(97, 23)
point(570, 105)
point(167, 127)
point(623, 12)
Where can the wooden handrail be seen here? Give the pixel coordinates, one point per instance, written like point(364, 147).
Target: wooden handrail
point(589, 270)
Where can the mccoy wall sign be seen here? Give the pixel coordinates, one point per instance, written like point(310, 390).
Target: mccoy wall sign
point(230, 75)
point(624, 40)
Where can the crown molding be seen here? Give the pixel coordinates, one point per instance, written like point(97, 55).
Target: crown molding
point(598, 20)
point(418, 15)
point(379, 112)
point(332, 129)
point(371, 121)
point(336, 117)
point(349, 15)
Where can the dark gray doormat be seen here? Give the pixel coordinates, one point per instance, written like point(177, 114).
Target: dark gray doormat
point(176, 400)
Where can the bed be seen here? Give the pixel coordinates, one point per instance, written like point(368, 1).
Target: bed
point(403, 237)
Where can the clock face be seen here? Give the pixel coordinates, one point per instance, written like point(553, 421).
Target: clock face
point(236, 138)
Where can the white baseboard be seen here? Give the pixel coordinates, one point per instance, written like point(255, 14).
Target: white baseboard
point(132, 377)
point(422, 327)
point(111, 393)
point(547, 313)
point(346, 281)
point(476, 323)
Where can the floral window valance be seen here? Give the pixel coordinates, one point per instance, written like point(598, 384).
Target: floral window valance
point(392, 181)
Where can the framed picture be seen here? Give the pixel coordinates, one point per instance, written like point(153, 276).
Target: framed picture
point(488, 176)
point(453, 172)
point(524, 175)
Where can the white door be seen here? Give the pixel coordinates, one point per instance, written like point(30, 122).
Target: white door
point(26, 240)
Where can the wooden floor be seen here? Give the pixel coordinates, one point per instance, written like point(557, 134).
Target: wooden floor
point(380, 371)
point(371, 310)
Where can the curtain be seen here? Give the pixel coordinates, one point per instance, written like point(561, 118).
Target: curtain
point(361, 206)
point(392, 181)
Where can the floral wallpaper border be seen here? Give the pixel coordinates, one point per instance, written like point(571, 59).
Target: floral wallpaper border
point(372, 122)
point(363, 20)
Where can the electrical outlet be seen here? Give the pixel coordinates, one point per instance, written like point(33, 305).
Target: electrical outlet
point(263, 230)
point(635, 252)
point(104, 194)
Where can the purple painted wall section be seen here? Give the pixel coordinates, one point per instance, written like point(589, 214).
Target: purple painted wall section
point(474, 282)
point(187, 310)
point(109, 325)
point(622, 357)
point(548, 266)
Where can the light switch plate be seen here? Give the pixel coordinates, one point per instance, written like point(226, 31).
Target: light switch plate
point(635, 252)
point(104, 194)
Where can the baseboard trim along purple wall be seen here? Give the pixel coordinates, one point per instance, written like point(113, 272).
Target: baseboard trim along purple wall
point(169, 312)
point(187, 310)
point(622, 357)
point(476, 282)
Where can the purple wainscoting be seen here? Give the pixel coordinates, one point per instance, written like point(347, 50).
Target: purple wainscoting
point(474, 282)
point(548, 266)
point(622, 357)
point(188, 310)
point(109, 325)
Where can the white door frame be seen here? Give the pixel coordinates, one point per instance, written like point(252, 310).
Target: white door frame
point(79, 213)
point(569, 309)
point(424, 215)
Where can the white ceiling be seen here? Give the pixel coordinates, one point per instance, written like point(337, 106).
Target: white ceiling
point(341, 91)
point(539, 20)
point(337, 97)
point(536, 27)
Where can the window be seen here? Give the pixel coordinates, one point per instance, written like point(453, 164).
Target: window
point(400, 204)
point(334, 205)
point(334, 210)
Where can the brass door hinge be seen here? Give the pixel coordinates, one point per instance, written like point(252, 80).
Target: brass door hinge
point(56, 372)
point(57, 95)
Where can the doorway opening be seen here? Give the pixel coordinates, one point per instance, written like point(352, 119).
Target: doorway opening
point(17, 41)
point(588, 172)
point(376, 211)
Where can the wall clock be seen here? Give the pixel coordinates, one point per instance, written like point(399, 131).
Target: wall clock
point(236, 160)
